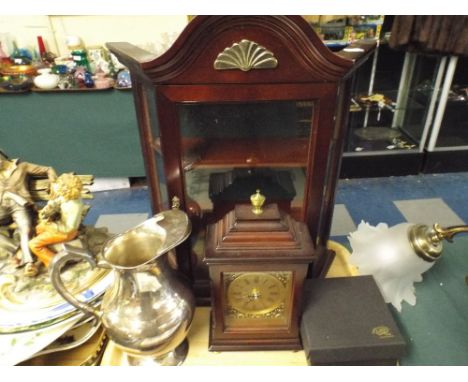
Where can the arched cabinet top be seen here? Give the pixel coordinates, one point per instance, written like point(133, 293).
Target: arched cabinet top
point(239, 49)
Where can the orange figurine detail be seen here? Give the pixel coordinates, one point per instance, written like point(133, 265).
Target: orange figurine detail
point(60, 219)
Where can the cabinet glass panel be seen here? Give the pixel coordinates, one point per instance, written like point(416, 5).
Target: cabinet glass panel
point(391, 114)
point(156, 138)
point(411, 118)
point(229, 150)
point(454, 127)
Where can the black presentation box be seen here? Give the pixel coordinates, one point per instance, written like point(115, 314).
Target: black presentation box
point(347, 322)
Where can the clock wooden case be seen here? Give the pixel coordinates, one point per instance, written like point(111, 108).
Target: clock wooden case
point(237, 101)
point(257, 265)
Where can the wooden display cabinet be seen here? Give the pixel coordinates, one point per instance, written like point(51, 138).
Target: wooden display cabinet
point(259, 96)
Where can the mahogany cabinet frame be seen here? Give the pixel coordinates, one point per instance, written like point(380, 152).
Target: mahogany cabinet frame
point(306, 70)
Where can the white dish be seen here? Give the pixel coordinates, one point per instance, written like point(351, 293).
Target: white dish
point(28, 304)
point(17, 347)
point(76, 336)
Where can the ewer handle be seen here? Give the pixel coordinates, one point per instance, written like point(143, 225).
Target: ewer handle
point(56, 265)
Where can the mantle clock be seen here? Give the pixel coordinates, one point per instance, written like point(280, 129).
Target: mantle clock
point(258, 259)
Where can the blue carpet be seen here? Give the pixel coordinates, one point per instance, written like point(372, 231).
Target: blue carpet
point(368, 199)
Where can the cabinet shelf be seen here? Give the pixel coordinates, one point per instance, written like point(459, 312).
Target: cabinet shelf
point(6, 91)
point(215, 153)
point(370, 108)
point(415, 101)
point(58, 90)
point(71, 90)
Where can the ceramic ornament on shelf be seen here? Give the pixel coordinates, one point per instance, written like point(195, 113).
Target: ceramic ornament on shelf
point(46, 79)
point(101, 81)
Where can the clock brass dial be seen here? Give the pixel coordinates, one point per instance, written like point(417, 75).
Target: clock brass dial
point(256, 293)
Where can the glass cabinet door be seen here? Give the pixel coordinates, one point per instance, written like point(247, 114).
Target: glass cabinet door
point(229, 150)
point(390, 116)
point(451, 121)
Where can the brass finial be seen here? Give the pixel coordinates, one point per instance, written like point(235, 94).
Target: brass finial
point(257, 201)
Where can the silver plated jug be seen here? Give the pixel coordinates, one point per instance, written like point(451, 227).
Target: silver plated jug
point(148, 309)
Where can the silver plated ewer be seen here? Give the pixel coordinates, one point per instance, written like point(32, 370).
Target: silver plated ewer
point(148, 309)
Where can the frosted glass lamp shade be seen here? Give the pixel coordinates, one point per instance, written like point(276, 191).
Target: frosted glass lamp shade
point(387, 255)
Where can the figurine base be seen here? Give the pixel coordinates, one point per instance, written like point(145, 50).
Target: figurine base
point(174, 358)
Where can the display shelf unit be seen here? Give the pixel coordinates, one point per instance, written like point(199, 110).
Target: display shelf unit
point(389, 137)
point(214, 125)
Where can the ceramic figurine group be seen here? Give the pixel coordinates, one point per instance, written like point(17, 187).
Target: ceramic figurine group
point(27, 232)
point(79, 69)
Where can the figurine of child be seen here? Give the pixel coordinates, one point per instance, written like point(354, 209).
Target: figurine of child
point(60, 218)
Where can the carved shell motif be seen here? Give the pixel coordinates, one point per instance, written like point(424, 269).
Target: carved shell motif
point(245, 55)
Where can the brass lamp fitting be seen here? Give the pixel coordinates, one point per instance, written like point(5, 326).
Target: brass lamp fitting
point(427, 241)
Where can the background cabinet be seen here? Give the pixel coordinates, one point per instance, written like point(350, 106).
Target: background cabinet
point(391, 113)
point(420, 124)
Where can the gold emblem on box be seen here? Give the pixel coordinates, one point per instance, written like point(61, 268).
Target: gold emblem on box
point(382, 332)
